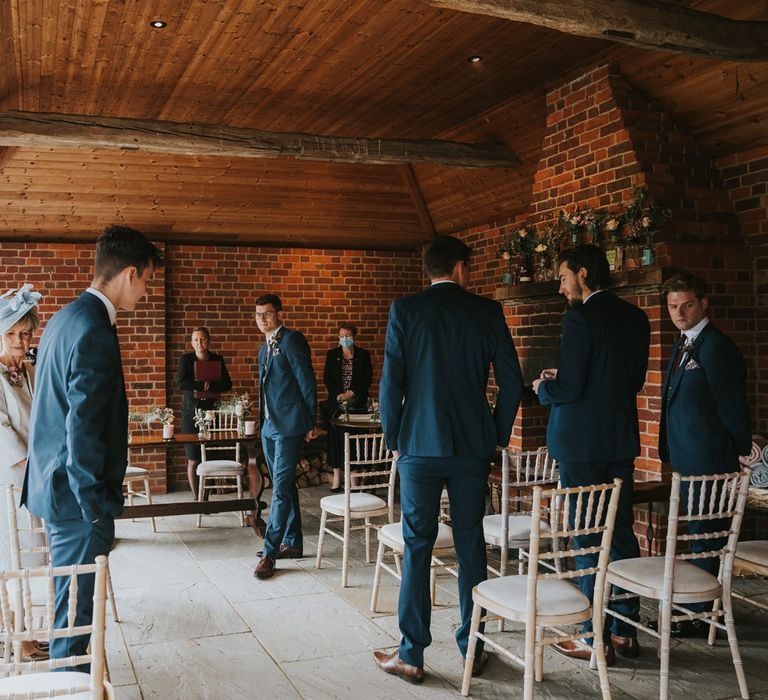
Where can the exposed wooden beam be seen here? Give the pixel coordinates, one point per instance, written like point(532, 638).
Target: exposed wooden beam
point(41, 130)
point(649, 24)
point(418, 199)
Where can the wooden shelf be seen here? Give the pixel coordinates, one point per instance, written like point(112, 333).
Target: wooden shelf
point(638, 277)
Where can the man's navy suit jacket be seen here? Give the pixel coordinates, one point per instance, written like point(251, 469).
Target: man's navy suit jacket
point(78, 444)
point(705, 421)
point(287, 384)
point(603, 360)
point(440, 344)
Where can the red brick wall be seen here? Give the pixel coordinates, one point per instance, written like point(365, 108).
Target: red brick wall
point(602, 138)
point(216, 286)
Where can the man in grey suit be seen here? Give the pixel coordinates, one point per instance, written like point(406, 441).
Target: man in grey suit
point(434, 409)
point(78, 443)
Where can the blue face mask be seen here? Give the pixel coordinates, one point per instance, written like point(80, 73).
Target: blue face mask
point(346, 342)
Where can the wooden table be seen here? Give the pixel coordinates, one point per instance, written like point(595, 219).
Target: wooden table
point(253, 504)
point(367, 424)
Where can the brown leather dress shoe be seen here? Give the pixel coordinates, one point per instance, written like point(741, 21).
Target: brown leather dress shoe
point(265, 568)
point(568, 648)
point(391, 663)
point(479, 663)
point(628, 647)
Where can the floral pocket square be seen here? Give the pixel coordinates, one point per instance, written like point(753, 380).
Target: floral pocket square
point(692, 364)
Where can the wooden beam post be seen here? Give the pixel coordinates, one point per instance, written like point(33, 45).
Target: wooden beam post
point(649, 24)
point(418, 199)
point(40, 130)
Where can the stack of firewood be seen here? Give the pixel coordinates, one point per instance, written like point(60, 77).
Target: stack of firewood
point(311, 470)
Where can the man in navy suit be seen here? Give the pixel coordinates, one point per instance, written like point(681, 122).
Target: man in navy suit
point(78, 443)
point(592, 429)
point(287, 411)
point(440, 344)
point(705, 419)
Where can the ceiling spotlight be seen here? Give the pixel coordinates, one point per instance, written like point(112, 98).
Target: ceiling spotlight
point(475, 59)
point(158, 24)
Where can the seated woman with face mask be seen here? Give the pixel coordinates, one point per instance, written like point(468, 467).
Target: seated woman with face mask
point(347, 375)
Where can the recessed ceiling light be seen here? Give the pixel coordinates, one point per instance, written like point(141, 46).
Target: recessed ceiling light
point(158, 24)
point(475, 59)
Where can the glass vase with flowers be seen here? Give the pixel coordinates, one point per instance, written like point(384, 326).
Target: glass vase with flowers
point(520, 243)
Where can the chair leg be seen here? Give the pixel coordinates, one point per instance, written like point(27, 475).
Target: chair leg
point(477, 612)
point(111, 595)
point(321, 538)
point(239, 482)
point(539, 668)
point(432, 582)
point(345, 553)
point(148, 496)
point(665, 625)
point(712, 629)
point(530, 661)
point(377, 577)
point(367, 540)
point(734, 644)
point(398, 566)
point(200, 492)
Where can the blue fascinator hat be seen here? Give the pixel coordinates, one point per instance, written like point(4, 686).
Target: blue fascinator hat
point(15, 304)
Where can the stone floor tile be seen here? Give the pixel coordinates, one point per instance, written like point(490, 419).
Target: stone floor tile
point(211, 668)
point(313, 626)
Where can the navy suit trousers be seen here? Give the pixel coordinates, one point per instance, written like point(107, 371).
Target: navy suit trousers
point(284, 524)
point(624, 544)
point(77, 542)
point(421, 483)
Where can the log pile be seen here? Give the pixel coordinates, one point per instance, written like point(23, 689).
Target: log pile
point(311, 470)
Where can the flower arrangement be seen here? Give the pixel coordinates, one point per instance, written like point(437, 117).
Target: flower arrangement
point(13, 375)
point(574, 224)
point(644, 222)
point(521, 242)
point(239, 404)
point(164, 415)
point(204, 419)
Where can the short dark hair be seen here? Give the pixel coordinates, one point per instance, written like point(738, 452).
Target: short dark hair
point(273, 299)
point(593, 260)
point(441, 255)
point(201, 329)
point(120, 247)
point(684, 282)
point(351, 327)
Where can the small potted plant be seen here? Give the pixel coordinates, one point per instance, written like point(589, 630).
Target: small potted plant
point(165, 416)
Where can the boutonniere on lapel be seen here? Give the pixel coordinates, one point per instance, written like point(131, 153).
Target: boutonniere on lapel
point(273, 342)
point(14, 375)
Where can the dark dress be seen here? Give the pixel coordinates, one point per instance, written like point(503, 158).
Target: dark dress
point(185, 380)
point(362, 376)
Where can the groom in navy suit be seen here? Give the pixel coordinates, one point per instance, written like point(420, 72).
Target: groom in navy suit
point(78, 442)
point(439, 347)
point(705, 419)
point(287, 412)
point(592, 429)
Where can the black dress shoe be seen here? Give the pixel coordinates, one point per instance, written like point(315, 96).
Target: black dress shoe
point(628, 647)
point(479, 663)
point(338, 489)
point(685, 629)
point(392, 663)
point(265, 568)
point(573, 651)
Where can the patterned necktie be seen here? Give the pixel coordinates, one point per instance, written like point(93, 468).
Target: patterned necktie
point(682, 350)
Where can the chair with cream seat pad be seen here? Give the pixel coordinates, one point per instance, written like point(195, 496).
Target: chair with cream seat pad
point(38, 679)
point(751, 558)
point(214, 473)
point(674, 580)
point(134, 476)
point(549, 601)
point(368, 466)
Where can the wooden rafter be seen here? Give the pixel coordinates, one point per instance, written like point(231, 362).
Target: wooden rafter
point(649, 24)
point(41, 130)
point(418, 199)
point(5, 155)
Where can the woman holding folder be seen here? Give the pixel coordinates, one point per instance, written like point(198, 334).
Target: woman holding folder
point(203, 376)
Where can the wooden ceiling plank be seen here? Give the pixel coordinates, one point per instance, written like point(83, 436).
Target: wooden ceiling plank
point(67, 131)
point(5, 156)
point(648, 24)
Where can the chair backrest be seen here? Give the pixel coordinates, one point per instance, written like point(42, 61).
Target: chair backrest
point(23, 535)
point(41, 627)
point(369, 464)
point(586, 523)
point(224, 421)
point(716, 498)
point(520, 472)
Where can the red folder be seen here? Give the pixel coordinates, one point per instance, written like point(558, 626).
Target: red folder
point(207, 371)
